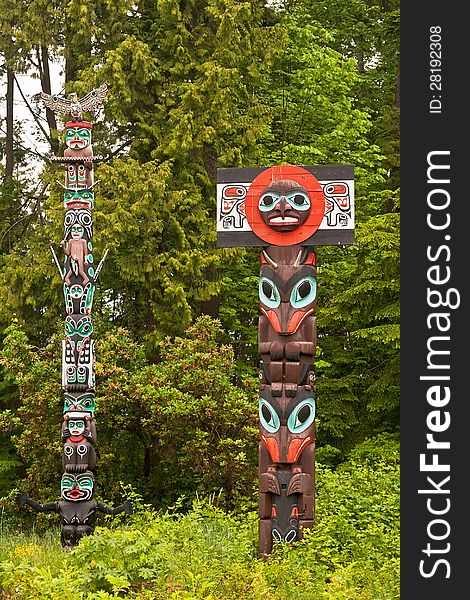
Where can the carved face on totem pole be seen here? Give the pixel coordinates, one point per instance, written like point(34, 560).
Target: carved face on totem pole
point(76, 232)
point(78, 298)
point(78, 435)
point(287, 324)
point(284, 205)
point(78, 135)
point(288, 291)
point(80, 198)
point(76, 426)
point(77, 487)
point(80, 402)
point(287, 425)
point(78, 331)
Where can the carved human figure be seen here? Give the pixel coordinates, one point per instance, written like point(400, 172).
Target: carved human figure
point(79, 150)
point(78, 295)
point(78, 434)
point(77, 249)
point(77, 508)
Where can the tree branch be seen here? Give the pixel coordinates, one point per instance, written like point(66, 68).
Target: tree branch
point(35, 116)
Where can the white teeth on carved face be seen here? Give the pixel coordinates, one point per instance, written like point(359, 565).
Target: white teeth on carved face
point(283, 221)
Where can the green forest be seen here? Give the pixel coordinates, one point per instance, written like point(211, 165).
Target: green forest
point(194, 86)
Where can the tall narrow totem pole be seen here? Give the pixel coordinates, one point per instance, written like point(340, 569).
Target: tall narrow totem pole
point(77, 506)
point(286, 210)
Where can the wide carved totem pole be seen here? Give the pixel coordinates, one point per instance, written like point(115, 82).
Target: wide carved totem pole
point(287, 210)
point(77, 506)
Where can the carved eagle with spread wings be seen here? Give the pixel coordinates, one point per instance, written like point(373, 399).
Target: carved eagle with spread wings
point(75, 107)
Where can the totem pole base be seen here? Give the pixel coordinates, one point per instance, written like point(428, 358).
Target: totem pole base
point(265, 538)
point(286, 499)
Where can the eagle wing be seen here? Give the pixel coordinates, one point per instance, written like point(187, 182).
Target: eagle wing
point(56, 103)
point(94, 99)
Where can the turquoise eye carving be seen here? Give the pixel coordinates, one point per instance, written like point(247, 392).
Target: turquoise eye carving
point(302, 416)
point(268, 416)
point(299, 201)
point(85, 482)
point(291, 536)
point(268, 201)
point(67, 482)
point(304, 292)
point(83, 328)
point(277, 537)
point(268, 293)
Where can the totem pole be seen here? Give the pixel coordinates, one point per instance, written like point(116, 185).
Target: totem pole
point(78, 431)
point(287, 210)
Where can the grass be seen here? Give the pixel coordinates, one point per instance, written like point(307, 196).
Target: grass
point(206, 554)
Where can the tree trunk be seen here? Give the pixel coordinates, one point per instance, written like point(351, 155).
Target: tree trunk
point(9, 150)
point(211, 307)
point(360, 63)
point(45, 74)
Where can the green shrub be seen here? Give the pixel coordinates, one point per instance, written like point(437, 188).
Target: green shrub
point(207, 553)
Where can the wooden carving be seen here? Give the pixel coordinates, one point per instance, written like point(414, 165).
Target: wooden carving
point(77, 506)
point(287, 210)
point(287, 345)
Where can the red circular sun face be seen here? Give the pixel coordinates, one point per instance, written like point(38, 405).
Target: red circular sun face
point(285, 205)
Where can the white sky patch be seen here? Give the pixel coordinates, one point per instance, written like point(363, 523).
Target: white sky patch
point(31, 136)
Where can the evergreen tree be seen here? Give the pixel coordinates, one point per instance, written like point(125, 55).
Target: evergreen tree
point(194, 86)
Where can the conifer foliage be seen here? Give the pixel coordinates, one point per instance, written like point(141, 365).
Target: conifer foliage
point(196, 85)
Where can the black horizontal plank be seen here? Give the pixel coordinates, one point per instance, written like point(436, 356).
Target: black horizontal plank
point(321, 172)
point(333, 237)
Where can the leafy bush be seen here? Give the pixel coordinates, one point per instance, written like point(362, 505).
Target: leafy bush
point(171, 429)
point(207, 553)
